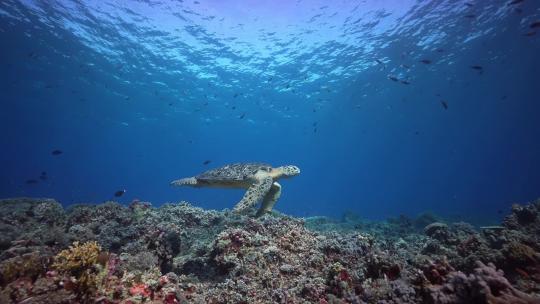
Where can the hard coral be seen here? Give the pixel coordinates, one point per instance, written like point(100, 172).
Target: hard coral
point(77, 257)
point(485, 285)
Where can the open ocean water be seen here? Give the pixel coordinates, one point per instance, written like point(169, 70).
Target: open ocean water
point(409, 131)
point(388, 107)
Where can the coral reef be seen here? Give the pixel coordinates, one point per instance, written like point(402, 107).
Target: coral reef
point(177, 253)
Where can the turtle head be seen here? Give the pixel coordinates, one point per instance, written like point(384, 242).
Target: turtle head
point(289, 171)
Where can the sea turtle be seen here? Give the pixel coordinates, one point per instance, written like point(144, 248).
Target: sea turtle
point(259, 179)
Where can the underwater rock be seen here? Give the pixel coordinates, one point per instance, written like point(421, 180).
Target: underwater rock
point(178, 253)
point(437, 231)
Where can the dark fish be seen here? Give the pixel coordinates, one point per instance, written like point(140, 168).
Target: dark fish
point(315, 124)
point(43, 173)
point(468, 4)
point(235, 95)
point(270, 79)
point(288, 85)
point(233, 107)
point(56, 152)
point(206, 162)
point(379, 61)
point(43, 177)
point(444, 104)
point(535, 24)
point(531, 33)
point(425, 61)
point(477, 67)
point(119, 193)
point(515, 2)
point(393, 78)
point(470, 16)
point(170, 104)
point(405, 82)
point(242, 116)
point(31, 181)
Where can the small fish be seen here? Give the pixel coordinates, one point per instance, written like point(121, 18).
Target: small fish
point(206, 162)
point(242, 116)
point(470, 16)
point(288, 85)
point(425, 61)
point(43, 172)
point(405, 82)
point(315, 124)
point(531, 33)
point(514, 2)
point(535, 24)
point(56, 152)
point(233, 107)
point(119, 193)
point(393, 78)
point(444, 104)
point(270, 79)
point(468, 4)
point(379, 61)
point(406, 66)
point(477, 67)
point(235, 95)
point(43, 177)
point(170, 104)
point(31, 181)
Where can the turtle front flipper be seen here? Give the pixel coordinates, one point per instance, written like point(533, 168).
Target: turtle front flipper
point(188, 181)
point(270, 199)
point(254, 194)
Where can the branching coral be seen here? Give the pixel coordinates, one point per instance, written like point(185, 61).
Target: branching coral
point(79, 262)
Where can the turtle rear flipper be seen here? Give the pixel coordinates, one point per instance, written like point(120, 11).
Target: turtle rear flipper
point(270, 199)
point(188, 181)
point(254, 194)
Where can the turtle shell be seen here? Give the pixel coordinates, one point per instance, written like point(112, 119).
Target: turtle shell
point(233, 172)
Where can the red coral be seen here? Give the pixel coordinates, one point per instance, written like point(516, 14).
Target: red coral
point(140, 289)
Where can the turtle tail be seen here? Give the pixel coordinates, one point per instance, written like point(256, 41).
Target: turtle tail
point(188, 181)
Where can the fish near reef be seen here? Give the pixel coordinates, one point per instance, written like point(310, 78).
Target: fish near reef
point(119, 193)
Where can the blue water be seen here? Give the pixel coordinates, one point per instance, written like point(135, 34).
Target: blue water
point(138, 93)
